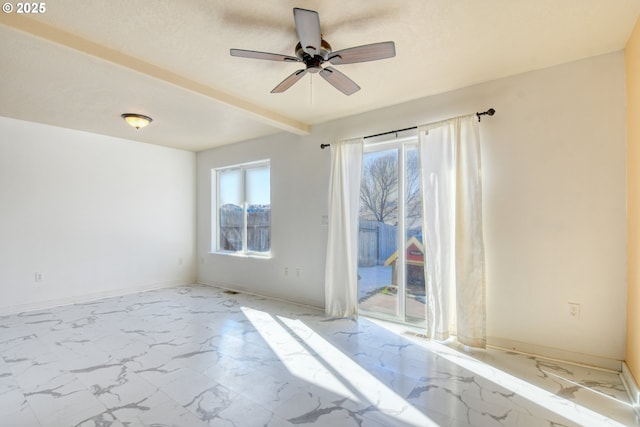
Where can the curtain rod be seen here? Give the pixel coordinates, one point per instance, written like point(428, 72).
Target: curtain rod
point(489, 112)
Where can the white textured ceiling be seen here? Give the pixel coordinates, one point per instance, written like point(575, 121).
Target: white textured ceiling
point(83, 63)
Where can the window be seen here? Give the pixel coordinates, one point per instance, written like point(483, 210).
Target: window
point(243, 207)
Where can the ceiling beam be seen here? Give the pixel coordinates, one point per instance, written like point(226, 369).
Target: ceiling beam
point(61, 37)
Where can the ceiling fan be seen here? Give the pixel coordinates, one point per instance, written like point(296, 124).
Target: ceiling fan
point(313, 51)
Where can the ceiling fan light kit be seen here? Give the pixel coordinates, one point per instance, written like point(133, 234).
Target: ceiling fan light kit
point(313, 52)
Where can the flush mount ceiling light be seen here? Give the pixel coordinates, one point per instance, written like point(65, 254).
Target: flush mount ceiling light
point(137, 120)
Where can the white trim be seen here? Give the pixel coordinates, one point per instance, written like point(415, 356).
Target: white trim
point(43, 305)
point(254, 255)
point(215, 202)
point(245, 165)
point(276, 297)
point(632, 387)
point(557, 354)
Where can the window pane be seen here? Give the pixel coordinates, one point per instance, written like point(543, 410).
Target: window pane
point(378, 267)
point(258, 186)
point(230, 210)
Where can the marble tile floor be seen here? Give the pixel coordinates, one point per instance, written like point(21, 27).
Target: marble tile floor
point(198, 356)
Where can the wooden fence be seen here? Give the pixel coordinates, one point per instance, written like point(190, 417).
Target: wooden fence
point(258, 229)
point(376, 242)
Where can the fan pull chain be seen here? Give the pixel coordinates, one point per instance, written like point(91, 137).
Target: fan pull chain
point(311, 89)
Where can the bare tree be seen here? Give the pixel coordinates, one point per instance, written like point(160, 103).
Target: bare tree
point(414, 196)
point(379, 189)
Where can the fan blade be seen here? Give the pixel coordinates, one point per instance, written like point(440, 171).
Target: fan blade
point(338, 80)
point(308, 28)
point(289, 81)
point(262, 55)
point(367, 52)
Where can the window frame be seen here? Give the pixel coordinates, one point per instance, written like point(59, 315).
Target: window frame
point(215, 209)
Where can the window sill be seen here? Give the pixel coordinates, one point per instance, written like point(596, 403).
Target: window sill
point(243, 255)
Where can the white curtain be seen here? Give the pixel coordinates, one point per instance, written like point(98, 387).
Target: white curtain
point(452, 228)
point(341, 271)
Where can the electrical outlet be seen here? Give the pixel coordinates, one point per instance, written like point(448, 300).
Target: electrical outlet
point(39, 277)
point(286, 271)
point(574, 310)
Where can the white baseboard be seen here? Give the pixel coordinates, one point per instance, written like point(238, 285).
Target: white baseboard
point(43, 305)
point(632, 387)
point(242, 289)
point(557, 354)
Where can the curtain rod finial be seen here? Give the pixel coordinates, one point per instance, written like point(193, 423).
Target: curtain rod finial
point(489, 112)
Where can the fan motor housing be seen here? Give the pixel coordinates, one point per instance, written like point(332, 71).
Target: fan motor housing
point(325, 50)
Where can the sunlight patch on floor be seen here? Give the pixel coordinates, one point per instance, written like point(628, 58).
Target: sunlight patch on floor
point(313, 359)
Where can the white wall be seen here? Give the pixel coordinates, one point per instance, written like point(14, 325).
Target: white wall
point(554, 205)
point(95, 215)
point(555, 192)
point(298, 201)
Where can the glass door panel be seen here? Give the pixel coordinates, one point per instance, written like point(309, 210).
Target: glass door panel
point(378, 274)
point(391, 281)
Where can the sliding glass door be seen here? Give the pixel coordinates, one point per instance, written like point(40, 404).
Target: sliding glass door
point(390, 251)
